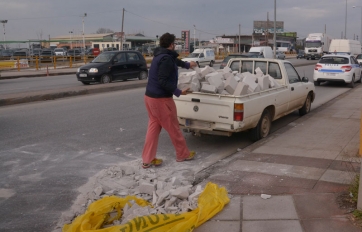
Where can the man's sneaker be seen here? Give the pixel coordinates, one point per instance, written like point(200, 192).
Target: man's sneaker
point(155, 162)
point(191, 157)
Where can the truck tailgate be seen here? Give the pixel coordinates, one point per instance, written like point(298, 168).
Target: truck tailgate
point(206, 107)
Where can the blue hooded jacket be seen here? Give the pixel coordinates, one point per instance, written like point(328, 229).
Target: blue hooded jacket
point(163, 74)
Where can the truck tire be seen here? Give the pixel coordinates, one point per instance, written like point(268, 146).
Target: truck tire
point(263, 128)
point(211, 63)
point(198, 65)
point(306, 107)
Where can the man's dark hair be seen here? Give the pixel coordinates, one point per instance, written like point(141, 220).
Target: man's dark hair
point(167, 39)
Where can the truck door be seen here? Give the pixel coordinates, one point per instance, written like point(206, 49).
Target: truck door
point(297, 88)
point(282, 99)
point(202, 59)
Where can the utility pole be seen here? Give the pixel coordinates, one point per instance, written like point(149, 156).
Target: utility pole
point(71, 44)
point(85, 15)
point(239, 40)
point(194, 38)
point(3, 22)
point(345, 24)
point(275, 27)
point(267, 29)
point(122, 30)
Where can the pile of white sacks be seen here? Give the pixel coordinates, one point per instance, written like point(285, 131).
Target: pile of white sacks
point(225, 81)
point(166, 194)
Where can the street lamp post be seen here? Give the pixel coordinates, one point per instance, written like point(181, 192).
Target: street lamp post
point(85, 15)
point(275, 25)
point(345, 24)
point(3, 22)
point(70, 35)
point(194, 37)
point(360, 38)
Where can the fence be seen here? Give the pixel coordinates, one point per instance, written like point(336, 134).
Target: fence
point(43, 62)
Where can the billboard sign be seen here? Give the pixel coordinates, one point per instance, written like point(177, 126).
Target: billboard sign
point(221, 40)
point(260, 27)
point(185, 35)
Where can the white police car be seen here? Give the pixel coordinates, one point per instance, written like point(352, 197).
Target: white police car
point(337, 67)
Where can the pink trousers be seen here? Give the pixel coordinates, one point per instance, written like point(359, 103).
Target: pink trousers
point(162, 114)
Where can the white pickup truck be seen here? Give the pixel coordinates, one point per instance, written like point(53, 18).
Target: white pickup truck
point(219, 114)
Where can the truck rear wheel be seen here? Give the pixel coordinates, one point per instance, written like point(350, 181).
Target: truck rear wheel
point(263, 128)
point(306, 107)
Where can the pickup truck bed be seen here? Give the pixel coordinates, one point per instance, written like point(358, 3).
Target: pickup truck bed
point(220, 114)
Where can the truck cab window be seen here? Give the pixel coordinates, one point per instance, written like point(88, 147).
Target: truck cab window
point(261, 65)
point(247, 66)
point(235, 66)
point(274, 71)
point(292, 74)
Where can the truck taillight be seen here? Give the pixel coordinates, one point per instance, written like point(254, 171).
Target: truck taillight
point(238, 112)
point(347, 68)
point(317, 67)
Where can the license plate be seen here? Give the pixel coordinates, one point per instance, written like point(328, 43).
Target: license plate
point(83, 75)
point(187, 122)
point(331, 74)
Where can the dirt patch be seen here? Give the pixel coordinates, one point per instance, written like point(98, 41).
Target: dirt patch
point(346, 202)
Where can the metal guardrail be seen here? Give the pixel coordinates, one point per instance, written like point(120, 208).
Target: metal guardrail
point(40, 62)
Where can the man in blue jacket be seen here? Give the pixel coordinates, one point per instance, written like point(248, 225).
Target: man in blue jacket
point(161, 86)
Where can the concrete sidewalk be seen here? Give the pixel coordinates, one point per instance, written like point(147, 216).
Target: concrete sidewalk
point(306, 167)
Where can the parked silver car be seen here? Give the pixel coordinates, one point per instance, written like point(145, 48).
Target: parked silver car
point(60, 52)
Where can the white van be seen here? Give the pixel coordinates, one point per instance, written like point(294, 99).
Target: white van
point(352, 47)
point(202, 56)
point(261, 52)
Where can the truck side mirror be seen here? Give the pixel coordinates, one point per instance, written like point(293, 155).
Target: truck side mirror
point(304, 79)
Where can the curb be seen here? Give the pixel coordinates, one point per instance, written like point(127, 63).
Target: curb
point(36, 75)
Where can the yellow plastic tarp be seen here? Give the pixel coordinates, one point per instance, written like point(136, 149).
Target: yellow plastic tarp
point(211, 201)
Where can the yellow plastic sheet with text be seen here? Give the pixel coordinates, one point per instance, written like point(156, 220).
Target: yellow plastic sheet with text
point(211, 201)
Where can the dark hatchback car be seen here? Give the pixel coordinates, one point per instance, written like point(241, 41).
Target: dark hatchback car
point(112, 66)
point(301, 55)
point(226, 59)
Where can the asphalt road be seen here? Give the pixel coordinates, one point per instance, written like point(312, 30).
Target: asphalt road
point(49, 149)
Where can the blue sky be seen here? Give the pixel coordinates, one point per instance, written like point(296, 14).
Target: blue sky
point(32, 19)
